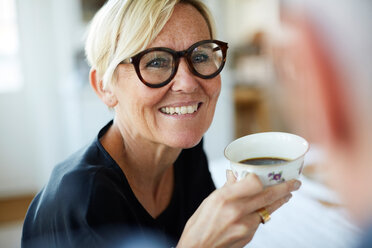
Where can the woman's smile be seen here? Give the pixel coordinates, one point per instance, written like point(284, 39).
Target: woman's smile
point(181, 109)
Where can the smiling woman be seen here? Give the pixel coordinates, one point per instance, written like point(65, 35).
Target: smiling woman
point(146, 169)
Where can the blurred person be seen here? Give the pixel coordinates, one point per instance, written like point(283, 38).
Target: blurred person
point(324, 61)
point(157, 65)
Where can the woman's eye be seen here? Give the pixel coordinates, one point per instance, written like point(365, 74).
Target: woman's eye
point(200, 58)
point(158, 63)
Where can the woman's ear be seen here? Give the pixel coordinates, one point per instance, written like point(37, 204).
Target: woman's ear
point(105, 94)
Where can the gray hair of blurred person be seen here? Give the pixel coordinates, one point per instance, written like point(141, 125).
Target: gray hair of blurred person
point(122, 28)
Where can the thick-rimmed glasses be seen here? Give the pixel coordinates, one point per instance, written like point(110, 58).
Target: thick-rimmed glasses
point(157, 66)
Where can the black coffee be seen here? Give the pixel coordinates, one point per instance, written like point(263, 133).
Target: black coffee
point(264, 161)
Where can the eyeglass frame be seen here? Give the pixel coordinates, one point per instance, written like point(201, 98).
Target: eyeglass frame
point(135, 60)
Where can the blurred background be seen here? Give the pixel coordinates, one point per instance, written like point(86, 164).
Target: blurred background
point(48, 109)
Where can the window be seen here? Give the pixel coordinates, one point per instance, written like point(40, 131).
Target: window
point(10, 68)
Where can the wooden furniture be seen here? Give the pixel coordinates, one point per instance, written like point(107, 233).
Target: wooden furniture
point(14, 208)
point(251, 110)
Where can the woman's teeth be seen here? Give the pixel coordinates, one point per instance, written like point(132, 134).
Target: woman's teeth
point(180, 110)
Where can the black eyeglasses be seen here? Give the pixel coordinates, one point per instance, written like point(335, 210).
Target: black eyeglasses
point(157, 66)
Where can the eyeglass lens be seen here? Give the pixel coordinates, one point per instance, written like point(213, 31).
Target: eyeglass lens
point(157, 66)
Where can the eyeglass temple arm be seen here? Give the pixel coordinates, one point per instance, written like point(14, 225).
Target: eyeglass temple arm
point(127, 61)
point(216, 49)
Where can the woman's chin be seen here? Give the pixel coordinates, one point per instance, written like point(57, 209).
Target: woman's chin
point(185, 142)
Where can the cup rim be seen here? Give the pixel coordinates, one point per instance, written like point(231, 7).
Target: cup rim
point(268, 166)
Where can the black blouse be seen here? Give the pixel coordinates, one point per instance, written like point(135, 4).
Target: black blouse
point(88, 202)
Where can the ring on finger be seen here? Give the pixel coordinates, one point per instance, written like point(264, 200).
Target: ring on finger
point(264, 215)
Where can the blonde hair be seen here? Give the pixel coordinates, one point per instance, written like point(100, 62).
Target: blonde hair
point(122, 28)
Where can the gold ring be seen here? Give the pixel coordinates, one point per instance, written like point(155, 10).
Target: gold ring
point(265, 216)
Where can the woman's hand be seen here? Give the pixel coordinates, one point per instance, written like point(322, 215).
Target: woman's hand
point(228, 217)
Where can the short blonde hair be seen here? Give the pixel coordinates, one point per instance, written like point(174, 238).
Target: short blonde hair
point(122, 28)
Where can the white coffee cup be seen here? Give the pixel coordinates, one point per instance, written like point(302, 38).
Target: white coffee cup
point(268, 144)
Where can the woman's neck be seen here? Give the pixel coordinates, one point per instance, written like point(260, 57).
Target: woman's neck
point(147, 166)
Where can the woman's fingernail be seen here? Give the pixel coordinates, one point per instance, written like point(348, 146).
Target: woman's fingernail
point(296, 185)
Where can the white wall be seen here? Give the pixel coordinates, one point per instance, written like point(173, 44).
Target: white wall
point(52, 115)
point(24, 147)
point(243, 18)
point(18, 152)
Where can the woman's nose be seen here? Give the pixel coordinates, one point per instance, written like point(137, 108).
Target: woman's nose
point(184, 80)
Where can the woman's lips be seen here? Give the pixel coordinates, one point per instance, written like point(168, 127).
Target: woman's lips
point(180, 110)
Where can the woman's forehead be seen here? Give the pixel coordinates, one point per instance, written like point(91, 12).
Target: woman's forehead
point(185, 27)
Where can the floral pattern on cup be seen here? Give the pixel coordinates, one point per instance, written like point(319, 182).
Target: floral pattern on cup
point(276, 177)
